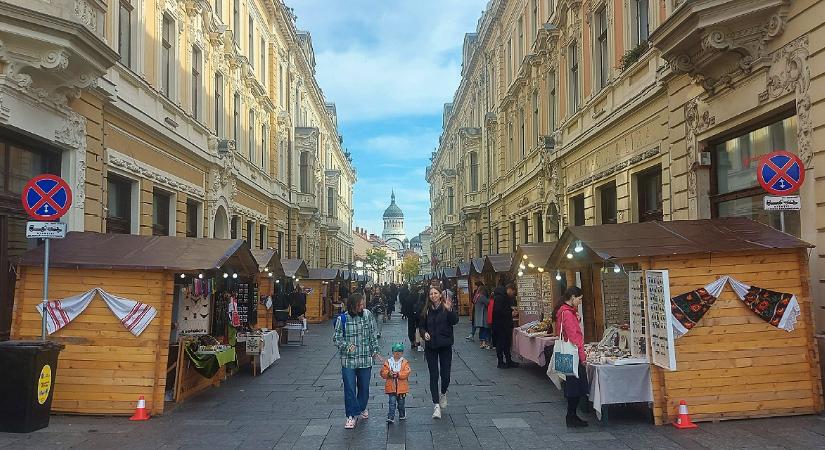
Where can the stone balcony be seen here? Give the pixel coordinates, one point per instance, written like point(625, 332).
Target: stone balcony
point(306, 203)
point(472, 205)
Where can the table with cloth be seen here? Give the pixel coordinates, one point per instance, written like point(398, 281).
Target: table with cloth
point(263, 348)
point(611, 384)
point(531, 347)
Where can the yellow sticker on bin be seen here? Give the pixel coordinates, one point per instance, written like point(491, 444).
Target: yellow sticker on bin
point(44, 384)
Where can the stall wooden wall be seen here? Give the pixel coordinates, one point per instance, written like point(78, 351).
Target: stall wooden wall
point(315, 301)
point(733, 364)
point(104, 368)
point(264, 289)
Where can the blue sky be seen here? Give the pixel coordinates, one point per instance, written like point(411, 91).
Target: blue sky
point(389, 66)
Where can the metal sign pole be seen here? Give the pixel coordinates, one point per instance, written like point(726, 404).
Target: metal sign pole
point(782, 221)
point(45, 287)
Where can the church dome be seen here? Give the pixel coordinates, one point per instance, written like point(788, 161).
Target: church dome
point(393, 211)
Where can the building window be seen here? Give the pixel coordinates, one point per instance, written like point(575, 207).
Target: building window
point(523, 137)
point(262, 236)
point(264, 146)
point(577, 209)
point(607, 203)
point(166, 56)
point(196, 82)
point(262, 50)
point(304, 172)
point(250, 233)
point(513, 240)
point(219, 9)
point(535, 119)
point(281, 244)
point(299, 245)
point(219, 130)
point(534, 19)
point(551, 104)
point(18, 164)
point(236, 118)
point(330, 202)
point(233, 227)
point(118, 204)
point(251, 137)
point(649, 194)
point(236, 21)
point(573, 79)
point(641, 22)
point(479, 245)
point(520, 41)
point(192, 218)
point(510, 144)
point(735, 189)
point(601, 51)
point(251, 31)
point(124, 33)
point(450, 200)
point(282, 160)
point(498, 242)
point(538, 226)
point(160, 213)
point(473, 172)
point(509, 61)
point(525, 230)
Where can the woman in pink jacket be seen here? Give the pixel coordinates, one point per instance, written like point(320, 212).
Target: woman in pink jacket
point(567, 320)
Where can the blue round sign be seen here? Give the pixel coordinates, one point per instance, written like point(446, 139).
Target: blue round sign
point(47, 197)
point(781, 173)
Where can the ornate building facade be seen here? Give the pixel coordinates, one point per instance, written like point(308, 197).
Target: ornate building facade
point(574, 112)
point(198, 118)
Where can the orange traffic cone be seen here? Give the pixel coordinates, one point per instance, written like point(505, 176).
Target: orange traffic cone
point(140, 411)
point(683, 421)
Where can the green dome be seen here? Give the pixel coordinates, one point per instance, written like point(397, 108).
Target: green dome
point(393, 211)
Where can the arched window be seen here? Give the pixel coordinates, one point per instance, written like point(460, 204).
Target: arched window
point(304, 172)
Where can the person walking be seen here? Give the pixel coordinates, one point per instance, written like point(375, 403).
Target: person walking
point(412, 312)
point(355, 338)
point(404, 299)
point(503, 319)
point(566, 314)
point(396, 371)
point(481, 300)
point(436, 327)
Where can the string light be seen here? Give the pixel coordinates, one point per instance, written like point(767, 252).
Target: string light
point(579, 247)
point(569, 255)
point(277, 281)
point(531, 265)
point(523, 256)
point(617, 268)
point(225, 275)
point(541, 270)
point(558, 275)
point(234, 275)
point(270, 274)
point(200, 275)
point(520, 273)
point(521, 266)
point(182, 276)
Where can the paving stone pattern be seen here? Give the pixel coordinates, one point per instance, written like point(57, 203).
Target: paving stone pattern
point(298, 403)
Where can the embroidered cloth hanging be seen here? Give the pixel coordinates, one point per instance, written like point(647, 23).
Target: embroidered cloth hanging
point(135, 316)
point(777, 308)
point(689, 308)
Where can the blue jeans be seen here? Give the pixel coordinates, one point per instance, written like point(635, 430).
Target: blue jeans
point(483, 334)
point(356, 389)
point(396, 401)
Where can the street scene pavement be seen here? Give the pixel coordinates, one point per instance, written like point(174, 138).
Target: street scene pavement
point(298, 403)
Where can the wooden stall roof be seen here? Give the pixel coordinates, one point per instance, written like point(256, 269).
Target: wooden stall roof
point(135, 252)
point(463, 270)
point(450, 272)
point(500, 263)
point(538, 254)
point(323, 274)
point(269, 258)
point(295, 268)
point(678, 237)
point(477, 265)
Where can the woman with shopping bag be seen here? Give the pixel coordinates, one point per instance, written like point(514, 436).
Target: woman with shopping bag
point(569, 357)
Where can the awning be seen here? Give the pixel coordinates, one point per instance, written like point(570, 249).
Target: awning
point(536, 254)
point(323, 274)
point(268, 258)
point(296, 268)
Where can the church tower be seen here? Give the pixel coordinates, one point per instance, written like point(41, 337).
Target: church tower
point(394, 234)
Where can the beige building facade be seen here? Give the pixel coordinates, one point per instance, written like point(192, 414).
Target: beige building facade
point(198, 118)
point(592, 112)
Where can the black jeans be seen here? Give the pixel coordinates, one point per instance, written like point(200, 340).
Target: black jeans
point(439, 361)
point(504, 340)
point(412, 330)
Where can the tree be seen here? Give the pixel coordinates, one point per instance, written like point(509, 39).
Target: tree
point(410, 267)
point(377, 261)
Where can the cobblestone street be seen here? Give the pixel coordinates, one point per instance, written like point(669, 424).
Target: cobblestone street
point(298, 403)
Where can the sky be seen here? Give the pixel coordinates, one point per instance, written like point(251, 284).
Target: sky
point(389, 66)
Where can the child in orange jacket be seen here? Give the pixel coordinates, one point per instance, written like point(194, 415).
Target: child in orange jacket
point(396, 371)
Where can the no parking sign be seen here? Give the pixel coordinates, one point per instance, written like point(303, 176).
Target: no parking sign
point(47, 197)
point(780, 173)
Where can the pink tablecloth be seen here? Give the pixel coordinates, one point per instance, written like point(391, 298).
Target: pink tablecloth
point(531, 348)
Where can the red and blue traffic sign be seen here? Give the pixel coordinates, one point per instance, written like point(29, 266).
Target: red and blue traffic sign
point(47, 197)
point(780, 173)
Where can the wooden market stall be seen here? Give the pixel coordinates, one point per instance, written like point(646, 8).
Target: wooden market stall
point(463, 288)
point(111, 357)
point(729, 287)
point(270, 276)
point(318, 284)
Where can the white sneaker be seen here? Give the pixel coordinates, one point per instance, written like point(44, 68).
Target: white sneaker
point(350, 423)
point(442, 400)
point(437, 412)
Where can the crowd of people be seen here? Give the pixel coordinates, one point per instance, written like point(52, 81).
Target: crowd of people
point(431, 312)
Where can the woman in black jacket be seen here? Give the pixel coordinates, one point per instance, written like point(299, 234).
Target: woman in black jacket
point(503, 319)
point(436, 327)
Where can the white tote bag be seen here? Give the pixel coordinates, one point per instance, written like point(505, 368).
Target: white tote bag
point(565, 359)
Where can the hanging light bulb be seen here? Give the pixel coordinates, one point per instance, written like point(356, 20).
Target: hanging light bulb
point(521, 266)
point(520, 273)
point(200, 275)
point(569, 255)
point(558, 275)
point(270, 274)
point(182, 276)
point(617, 268)
point(277, 281)
point(234, 275)
point(531, 265)
point(225, 275)
point(523, 256)
point(541, 269)
point(579, 247)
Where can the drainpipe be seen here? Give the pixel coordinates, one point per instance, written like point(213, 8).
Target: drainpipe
point(289, 156)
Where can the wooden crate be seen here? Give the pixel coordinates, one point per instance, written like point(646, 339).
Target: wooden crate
point(104, 368)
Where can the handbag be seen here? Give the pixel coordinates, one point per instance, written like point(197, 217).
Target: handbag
point(565, 359)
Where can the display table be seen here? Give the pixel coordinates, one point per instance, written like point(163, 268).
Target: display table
point(263, 348)
point(531, 348)
point(610, 384)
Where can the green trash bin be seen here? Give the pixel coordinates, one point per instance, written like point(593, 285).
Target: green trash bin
point(28, 370)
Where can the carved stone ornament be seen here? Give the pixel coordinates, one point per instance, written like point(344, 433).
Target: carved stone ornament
point(790, 73)
point(157, 176)
point(695, 123)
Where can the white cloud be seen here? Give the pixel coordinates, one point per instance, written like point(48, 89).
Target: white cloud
point(380, 59)
point(411, 145)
